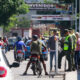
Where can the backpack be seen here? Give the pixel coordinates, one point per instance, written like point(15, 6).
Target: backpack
point(35, 47)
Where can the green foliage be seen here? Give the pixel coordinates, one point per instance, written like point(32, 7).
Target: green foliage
point(23, 22)
point(23, 9)
point(17, 22)
point(48, 1)
point(12, 22)
point(9, 8)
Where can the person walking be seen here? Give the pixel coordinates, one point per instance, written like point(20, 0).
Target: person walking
point(52, 47)
point(66, 50)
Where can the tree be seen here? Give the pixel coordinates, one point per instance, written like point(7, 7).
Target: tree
point(48, 1)
point(23, 22)
point(11, 7)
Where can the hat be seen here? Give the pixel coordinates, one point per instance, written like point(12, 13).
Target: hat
point(70, 29)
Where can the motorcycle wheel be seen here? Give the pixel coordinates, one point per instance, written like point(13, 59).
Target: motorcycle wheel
point(33, 69)
point(39, 68)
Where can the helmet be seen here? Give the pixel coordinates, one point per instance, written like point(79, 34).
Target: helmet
point(19, 38)
point(35, 37)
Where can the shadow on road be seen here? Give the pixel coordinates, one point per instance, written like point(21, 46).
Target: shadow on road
point(15, 64)
point(28, 75)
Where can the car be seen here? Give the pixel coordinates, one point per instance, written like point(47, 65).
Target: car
point(11, 42)
point(5, 71)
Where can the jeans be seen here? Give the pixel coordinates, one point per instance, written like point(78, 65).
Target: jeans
point(77, 57)
point(68, 57)
point(52, 54)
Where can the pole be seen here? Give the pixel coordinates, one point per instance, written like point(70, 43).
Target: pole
point(76, 15)
point(72, 21)
point(56, 67)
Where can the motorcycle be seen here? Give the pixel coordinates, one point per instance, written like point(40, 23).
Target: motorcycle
point(19, 55)
point(36, 65)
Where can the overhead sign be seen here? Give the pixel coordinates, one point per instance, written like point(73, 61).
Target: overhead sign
point(52, 6)
point(51, 17)
point(33, 1)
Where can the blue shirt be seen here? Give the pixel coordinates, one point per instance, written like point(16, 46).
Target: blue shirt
point(19, 45)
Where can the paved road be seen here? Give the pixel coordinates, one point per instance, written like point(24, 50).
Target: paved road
point(18, 71)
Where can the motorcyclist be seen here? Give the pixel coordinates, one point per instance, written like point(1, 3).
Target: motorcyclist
point(35, 39)
point(19, 45)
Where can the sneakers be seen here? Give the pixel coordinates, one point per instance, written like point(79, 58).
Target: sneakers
point(68, 70)
point(24, 73)
point(73, 69)
point(59, 67)
point(46, 73)
point(34, 73)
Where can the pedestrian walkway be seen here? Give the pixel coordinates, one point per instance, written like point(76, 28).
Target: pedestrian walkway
point(71, 75)
point(78, 75)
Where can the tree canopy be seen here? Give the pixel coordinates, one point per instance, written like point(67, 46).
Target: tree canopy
point(23, 22)
point(11, 7)
point(48, 1)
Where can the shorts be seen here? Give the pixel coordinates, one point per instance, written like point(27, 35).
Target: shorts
point(41, 58)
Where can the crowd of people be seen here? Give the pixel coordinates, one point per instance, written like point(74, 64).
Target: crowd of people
point(69, 46)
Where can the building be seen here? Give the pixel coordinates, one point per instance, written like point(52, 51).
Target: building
point(51, 13)
point(33, 1)
point(40, 1)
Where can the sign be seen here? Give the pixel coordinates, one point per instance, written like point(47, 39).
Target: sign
point(48, 6)
point(51, 17)
point(33, 1)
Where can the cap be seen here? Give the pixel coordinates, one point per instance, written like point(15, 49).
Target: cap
point(70, 29)
point(66, 30)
